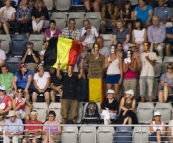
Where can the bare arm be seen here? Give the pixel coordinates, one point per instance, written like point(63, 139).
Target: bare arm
point(121, 68)
point(2, 63)
point(134, 15)
point(116, 13)
point(151, 127)
point(164, 131)
point(121, 14)
point(152, 62)
point(122, 104)
point(127, 39)
point(133, 105)
point(106, 65)
point(145, 35)
point(133, 36)
point(169, 36)
point(133, 66)
point(103, 13)
point(14, 83)
point(29, 82)
point(58, 73)
point(13, 17)
point(125, 68)
point(115, 39)
point(150, 15)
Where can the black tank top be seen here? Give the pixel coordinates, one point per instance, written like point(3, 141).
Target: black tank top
point(107, 15)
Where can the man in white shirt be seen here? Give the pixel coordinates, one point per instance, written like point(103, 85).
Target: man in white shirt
point(88, 34)
point(148, 60)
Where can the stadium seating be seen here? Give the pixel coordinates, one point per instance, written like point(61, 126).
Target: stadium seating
point(49, 4)
point(87, 134)
point(166, 111)
point(5, 42)
point(13, 63)
point(108, 39)
point(41, 109)
point(145, 112)
point(60, 18)
point(105, 134)
point(62, 5)
point(18, 44)
point(80, 112)
point(141, 134)
point(158, 67)
point(166, 60)
point(69, 134)
point(37, 40)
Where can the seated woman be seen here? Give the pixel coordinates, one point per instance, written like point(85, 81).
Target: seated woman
point(109, 107)
point(23, 17)
point(55, 131)
point(166, 83)
point(158, 133)
point(41, 84)
point(7, 16)
point(33, 133)
point(127, 106)
point(52, 31)
point(39, 15)
point(19, 105)
point(23, 78)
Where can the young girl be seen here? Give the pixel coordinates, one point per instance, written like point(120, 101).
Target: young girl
point(126, 14)
point(19, 104)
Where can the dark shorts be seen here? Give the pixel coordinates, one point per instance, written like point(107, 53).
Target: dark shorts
point(152, 138)
point(112, 79)
point(69, 106)
point(169, 87)
point(47, 90)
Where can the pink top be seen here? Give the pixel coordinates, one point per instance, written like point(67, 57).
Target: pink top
point(130, 74)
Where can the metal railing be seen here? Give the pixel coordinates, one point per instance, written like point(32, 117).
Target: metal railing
point(98, 133)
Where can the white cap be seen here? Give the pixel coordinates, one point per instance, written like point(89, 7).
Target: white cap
point(131, 92)
point(157, 113)
point(111, 91)
point(2, 87)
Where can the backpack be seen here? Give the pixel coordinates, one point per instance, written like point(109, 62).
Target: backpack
point(92, 110)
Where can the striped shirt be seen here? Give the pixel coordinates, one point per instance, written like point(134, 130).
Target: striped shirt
point(75, 34)
point(55, 80)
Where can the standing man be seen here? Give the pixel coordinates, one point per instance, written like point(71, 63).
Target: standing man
point(148, 60)
point(156, 35)
point(109, 14)
point(30, 57)
point(71, 32)
point(88, 34)
point(69, 102)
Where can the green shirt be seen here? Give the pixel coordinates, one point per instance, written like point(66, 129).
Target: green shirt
point(6, 80)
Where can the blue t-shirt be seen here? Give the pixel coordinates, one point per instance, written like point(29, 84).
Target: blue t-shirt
point(169, 31)
point(22, 82)
point(143, 14)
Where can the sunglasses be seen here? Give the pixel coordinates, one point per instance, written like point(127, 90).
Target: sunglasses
point(169, 67)
point(2, 90)
point(20, 91)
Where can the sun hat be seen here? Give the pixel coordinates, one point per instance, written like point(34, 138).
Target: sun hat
point(11, 113)
point(132, 45)
point(111, 91)
point(131, 92)
point(2, 88)
point(157, 113)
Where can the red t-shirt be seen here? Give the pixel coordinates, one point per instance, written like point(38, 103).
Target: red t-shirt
point(6, 100)
point(33, 127)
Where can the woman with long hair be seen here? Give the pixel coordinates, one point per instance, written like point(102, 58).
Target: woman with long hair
point(39, 15)
point(55, 129)
point(126, 14)
point(23, 78)
point(139, 35)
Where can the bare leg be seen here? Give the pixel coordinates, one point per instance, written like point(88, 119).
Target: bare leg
point(158, 136)
point(165, 95)
point(129, 121)
point(6, 28)
point(47, 98)
point(125, 120)
point(116, 89)
point(87, 5)
point(150, 99)
point(142, 99)
point(102, 28)
point(34, 97)
point(160, 96)
point(96, 6)
point(52, 95)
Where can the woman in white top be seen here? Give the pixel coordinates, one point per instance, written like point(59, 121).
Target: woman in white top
point(7, 16)
point(114, 74)
point(41, 84)
point(139, 35)
point(158, 133)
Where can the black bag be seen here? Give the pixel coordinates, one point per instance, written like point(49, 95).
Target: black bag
point(92, 110)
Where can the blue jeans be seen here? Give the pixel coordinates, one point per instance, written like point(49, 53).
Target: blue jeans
point(83, 89)
point(146, 86)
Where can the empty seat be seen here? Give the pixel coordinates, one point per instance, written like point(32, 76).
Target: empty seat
point(5, 42)
point(87, 134)
point(62, 5)
point(108, 39)
point(166, 60)
point(49, 4)
point(141, 134)
point(158, 67)
point(166, 111)
point(60, 18)
point(105, 134)
point(18, 44)
point(13, 63)
point(37, 40)
point(94, 18)
point(69, 134)
point(41, 109)
point(57, 108)
point(80, 112)
point(145, 112)
point(123, 134)
point(79, 17)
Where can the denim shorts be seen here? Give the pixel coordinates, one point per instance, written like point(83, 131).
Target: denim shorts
point(112, 79)
point(152, 138)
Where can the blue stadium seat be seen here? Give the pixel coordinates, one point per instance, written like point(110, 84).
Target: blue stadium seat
point(18, 44)
point(13, 63)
